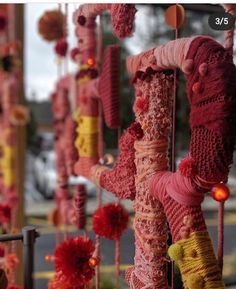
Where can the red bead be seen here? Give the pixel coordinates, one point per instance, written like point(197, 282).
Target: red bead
point(220, 192)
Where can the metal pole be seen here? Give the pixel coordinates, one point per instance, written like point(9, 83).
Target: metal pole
point(29, 236)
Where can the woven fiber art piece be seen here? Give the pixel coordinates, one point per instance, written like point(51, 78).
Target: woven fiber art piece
point(160, 196)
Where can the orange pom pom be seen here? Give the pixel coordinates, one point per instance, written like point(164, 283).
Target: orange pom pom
point(175, 16)
point(220, 192)
point(51, 25)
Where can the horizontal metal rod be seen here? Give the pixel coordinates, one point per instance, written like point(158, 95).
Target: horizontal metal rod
point(11, 237)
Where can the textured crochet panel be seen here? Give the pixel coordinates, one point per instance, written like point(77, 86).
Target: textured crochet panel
point(211, 92)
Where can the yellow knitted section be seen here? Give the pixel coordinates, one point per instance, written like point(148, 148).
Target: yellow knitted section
point(7, 163)
point(87, 140)
point(197, 262)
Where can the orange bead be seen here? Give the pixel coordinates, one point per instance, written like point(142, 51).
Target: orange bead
point(49, 258)
point(91, 61)
point(93, 262)
point(220, 192)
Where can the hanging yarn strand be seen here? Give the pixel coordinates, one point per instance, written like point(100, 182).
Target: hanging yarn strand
point(220, 251)
point(229, 34)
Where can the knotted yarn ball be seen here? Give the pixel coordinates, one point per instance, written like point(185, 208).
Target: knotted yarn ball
point(110, 221)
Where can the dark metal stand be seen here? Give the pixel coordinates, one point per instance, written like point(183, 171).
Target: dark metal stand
point(28, 236)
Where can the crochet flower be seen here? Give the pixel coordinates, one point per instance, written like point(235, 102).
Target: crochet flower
point(72, 261)
point(110, 221)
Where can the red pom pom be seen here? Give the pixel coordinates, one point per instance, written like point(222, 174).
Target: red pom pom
point(3, 22)
point(197, 87)
point(188, 167)
point(136, 130)
point(5, 214)
point(141, 104)
point(72, 261)
point(73, 53)
point(61, 47)
point(110, 221)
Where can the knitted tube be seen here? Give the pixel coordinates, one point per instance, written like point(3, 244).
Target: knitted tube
point(153, 103)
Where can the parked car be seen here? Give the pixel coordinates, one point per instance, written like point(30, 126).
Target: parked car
point(46, 178)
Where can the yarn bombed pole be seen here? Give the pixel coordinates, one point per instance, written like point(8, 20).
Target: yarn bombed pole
point(180, 194)
point(210, 74)
point(93, 88)
point(142, 153)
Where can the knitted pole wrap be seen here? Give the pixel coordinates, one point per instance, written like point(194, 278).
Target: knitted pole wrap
point(153, 111)
point(211, 86)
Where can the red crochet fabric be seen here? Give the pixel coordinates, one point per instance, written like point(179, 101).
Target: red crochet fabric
point(109, 86)
point(211, 92)
point(121, 178)
point(122, 17)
